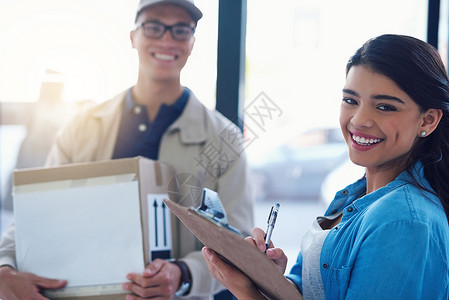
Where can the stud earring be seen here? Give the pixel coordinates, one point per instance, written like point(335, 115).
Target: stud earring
point(423, 133)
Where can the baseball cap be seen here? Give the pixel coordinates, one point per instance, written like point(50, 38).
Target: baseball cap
point(188, 5)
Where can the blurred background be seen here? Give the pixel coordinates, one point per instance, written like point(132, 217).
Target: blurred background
point(57, 56)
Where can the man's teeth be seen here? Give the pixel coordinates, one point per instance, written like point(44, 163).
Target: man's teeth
point(365, 141)
point(164, 56)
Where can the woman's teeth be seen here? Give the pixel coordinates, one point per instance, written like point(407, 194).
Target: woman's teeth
point(365, 141)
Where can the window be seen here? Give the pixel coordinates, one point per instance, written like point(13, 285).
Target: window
point(56, 55)
point(88, 43)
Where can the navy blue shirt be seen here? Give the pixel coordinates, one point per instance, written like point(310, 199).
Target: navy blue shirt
point(137, 135)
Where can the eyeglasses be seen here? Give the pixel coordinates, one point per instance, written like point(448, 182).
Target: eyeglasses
point(155, 30)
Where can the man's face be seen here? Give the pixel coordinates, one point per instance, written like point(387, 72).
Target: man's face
point(162, 59)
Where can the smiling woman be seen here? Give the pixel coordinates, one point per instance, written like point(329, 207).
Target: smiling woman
point(394, 108)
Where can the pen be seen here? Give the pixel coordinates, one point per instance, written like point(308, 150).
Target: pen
point(271, 221)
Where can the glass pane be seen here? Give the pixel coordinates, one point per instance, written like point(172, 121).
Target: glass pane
point(88, 42)
point(443, 34)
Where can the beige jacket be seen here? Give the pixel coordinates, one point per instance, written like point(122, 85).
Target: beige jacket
point(200, 142)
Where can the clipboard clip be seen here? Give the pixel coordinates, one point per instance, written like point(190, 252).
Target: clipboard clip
point(212, 209)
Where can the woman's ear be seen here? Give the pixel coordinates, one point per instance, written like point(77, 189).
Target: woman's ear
point(430, 120)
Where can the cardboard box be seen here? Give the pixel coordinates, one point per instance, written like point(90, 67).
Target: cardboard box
point(92, 223)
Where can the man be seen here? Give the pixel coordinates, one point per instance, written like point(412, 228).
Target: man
point(159, 119)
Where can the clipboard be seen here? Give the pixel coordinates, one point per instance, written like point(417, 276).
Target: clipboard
point(209, 225)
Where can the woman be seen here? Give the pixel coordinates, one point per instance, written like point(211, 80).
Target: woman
point(385, 236)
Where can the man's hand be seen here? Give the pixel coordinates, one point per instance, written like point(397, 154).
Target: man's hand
point(16, 285)
point(161, 280)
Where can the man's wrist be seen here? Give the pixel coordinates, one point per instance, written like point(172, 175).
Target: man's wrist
point(186, 278)
point(7, 269)
point(7, 266)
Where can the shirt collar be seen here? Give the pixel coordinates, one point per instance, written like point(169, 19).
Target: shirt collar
point(353, 191)
point(129, 101)
point(192, 124)
point(178, 106)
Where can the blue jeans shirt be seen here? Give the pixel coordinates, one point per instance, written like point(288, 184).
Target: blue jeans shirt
point(390, 244)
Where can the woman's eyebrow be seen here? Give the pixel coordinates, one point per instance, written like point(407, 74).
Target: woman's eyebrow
point(388, 97)
point(376, 97)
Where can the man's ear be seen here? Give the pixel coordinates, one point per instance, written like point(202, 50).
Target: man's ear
point(131, 37)
point(193, 44)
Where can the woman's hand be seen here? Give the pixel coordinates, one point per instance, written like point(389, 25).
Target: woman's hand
point(276, 254)
point(235, 281)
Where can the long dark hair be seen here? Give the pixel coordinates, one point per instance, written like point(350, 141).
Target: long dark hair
point(417, 68)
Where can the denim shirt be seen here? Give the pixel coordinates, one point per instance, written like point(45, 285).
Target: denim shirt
point(390, 244)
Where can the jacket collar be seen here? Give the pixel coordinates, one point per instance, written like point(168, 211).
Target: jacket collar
point(111, 108)
point(191, 124)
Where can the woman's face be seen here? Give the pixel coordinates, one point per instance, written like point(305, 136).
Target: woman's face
point(379, 121)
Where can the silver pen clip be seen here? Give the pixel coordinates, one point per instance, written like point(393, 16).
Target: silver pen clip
point(271, 221)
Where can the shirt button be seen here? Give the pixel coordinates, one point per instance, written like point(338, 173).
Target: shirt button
point(325, 265)
point(137, 110)
point(350, 209)
point(345, 192)
point(142, 127)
